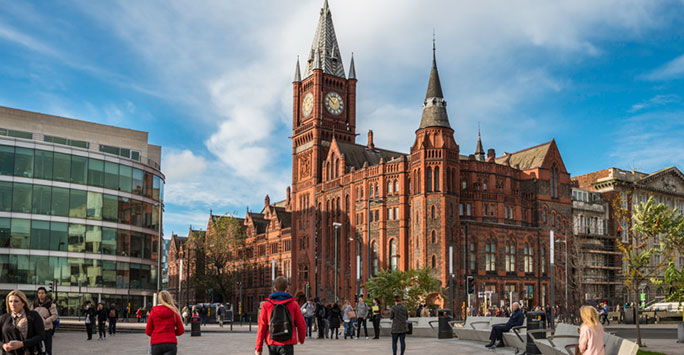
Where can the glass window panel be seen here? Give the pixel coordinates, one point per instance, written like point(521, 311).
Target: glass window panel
point(125, 178)
point(61, 271)
point(136, 245)
point(93, 239)
point(95, 172)
point(135, 155)
point(155, 218)
point(40, 235)
point(93, 272)
point(43, 272)
point(21, 229)
point(61, 167)
point(148, 182)
point(60, 202)
point(110, 207)
point(20, 269)
point(137, 181)
point(122, 273)
point(5, 196)
point(125, 152)
point(125, 214)
point(154, 243)
point(77, 203)
point(79, 169)
point(59, 236)
point(4, 268)
point(147, 242)
point(94, 208)
point(5, 232)
point(109, 274)
point(23, 162)
point(123, 242)
point(43, 165)
point(135, 276)
point(41, 199)
point(137, 213)
point(156, 188)
point(76, 238)
point(21, 198)
point(147, 215)
point(6, 160)
point(111, 175)
point(109, 241)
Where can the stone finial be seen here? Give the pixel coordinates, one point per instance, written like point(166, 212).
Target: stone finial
point(370, 145)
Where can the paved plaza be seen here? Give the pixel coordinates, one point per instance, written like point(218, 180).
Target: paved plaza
point(75, 343)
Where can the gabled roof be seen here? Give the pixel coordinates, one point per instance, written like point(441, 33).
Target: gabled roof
point(284, 217)
point(356, 155)
point(525, 159)
point(178, 241)
point(260, 223)
point(665, 171)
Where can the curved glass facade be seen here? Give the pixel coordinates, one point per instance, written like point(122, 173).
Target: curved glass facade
point(86, 222)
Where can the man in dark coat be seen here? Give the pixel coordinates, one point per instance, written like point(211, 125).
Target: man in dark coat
point(517, 318)
point(320, 318)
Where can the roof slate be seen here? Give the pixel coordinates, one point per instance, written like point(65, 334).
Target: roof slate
point(525, 159)
point(356, 155)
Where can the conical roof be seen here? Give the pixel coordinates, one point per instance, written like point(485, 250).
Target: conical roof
point(479, 151)
point(325, 47)
point(434, 106)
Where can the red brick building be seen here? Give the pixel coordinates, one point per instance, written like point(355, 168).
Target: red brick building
point(350, 203)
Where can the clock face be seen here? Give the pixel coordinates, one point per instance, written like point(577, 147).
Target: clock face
point(334, 103)
point(307, 104)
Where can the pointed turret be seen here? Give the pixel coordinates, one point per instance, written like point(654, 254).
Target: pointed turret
point(325, 47)
point(434, 107)
point(297, 76)
point(352, 70)
point(479, 151)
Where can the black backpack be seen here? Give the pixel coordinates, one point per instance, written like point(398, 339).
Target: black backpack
point(280, 325)
point(321, 311)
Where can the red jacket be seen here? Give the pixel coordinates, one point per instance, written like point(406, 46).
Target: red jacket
point(299, 331)
point(163, 325)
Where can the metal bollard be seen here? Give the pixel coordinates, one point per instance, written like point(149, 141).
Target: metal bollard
point(250, 324)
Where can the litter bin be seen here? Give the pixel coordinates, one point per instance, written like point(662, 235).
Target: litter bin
point(445, 331)
point(195, 326)
point(535, 320)
point(629, 315)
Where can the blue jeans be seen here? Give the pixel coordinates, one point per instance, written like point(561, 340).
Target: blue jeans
point(348, 329)
point(309, 325)
point(402, 338)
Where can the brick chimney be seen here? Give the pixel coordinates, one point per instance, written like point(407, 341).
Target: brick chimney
point(371, 146)
point(491, 154)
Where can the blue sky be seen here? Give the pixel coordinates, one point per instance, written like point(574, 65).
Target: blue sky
point(211, 80)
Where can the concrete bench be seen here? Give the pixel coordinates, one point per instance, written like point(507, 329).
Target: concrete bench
point(560, 340)
point(517, 337)
point(478, 328)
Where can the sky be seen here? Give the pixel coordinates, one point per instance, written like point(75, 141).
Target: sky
point(211, 81)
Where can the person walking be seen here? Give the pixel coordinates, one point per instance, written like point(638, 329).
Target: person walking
point(205, 314)
point(320, 318)
point(399, 317)
point(101, 322)
point(21, 327)
point(48, 311)
point(220, 314)
point(591, 333)
point(308, 309)
point(185, 314)
point(138, 314)
point(89, 313)
point(280, 330)
point(361, 315)
point(376, 315)
point(164, 325)
point(112, 316)
point(334, 320)
point(349, 317)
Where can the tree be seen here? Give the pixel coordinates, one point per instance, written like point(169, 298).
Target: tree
point(217, 249)
point(415, 286)
point(652, 225)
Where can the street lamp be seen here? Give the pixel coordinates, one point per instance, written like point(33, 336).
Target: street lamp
point(565, 241)
point(358, 263)
point(159, 248)
point(337, 226)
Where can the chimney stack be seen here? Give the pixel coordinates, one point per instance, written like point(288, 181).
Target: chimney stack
point(371, 146)
point(491, 154)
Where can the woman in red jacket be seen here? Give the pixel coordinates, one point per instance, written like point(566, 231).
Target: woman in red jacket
point(164, 324)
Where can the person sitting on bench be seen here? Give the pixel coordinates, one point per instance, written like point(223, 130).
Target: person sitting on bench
point(517, 318)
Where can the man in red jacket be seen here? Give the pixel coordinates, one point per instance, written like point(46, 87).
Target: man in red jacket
point(279, 296)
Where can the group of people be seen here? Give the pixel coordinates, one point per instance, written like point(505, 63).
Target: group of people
point(326, 319)
point(28, 327)
point(100, 315)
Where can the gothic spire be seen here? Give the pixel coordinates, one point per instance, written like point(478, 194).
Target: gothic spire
point(479, 151)
point(434, 106)
point(297, 76)
point(352, 70)
point(325, 46)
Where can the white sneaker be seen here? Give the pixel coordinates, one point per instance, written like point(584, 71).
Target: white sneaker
point(366, 338)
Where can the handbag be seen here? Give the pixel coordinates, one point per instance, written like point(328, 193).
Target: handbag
point(87, 320)
point(351, 314)
point(410, 329)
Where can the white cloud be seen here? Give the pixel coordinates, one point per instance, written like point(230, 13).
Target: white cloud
point(178, 166)
point(658, 100)
point(673, 69)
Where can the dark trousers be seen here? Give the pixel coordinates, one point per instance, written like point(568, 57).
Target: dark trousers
point(112, 326)
point(335, 331)
point(497, 332)
point(402, 338)
point(309, 325)
point(280, 350)
point(48, 341)
point(89, 330)
point(101, 329)
point(376, 327)
point(321, 327)
point(164, 349)
point(360, 321)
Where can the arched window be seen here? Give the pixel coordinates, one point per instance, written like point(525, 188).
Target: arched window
point(396, 186)
point(464, 184)
point(484, 185)
point(418, 189)
point(472, 258)
point(528, 253)
point(448, 179)
point(337, 168)
point(374, 257)
point(410, 188)
point(389, 187)
point(394, 254)
point(434, 237)
point(362, 192)
point(432, 212)
point(543, 260)
point(328, 171)
point(337, 207)
point(377, 189)
point(428, 179)
point(554, 181)
point(437, 188)
point(490, 256)
point(434, 261)
point(510, 257)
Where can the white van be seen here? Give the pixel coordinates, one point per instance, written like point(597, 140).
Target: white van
point(665, 306)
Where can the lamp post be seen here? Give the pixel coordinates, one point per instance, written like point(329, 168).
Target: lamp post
point(159, 249)
point(337, 226)
point(358, 263)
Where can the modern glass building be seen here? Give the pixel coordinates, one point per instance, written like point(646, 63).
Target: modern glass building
point(80, 209)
